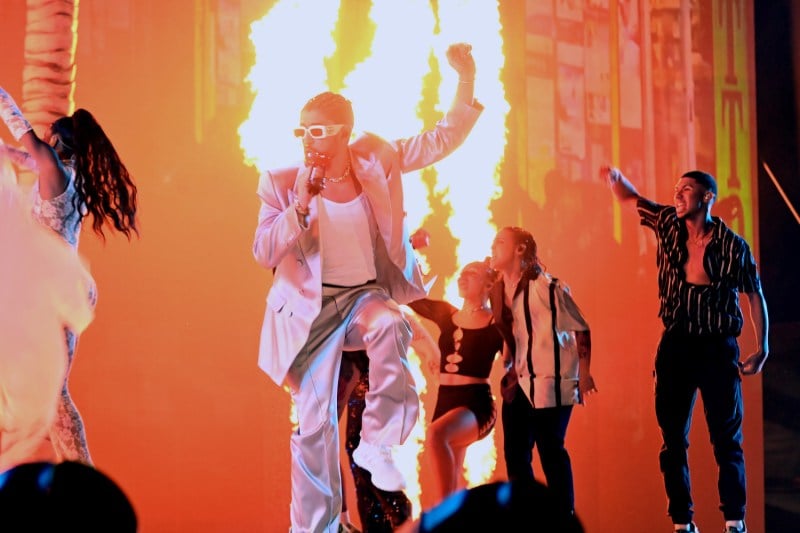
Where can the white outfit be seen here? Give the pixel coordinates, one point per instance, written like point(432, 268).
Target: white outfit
point(348, 242)
point(59, 213)
point(306, 326)
point(549, 345)
point(43, 290)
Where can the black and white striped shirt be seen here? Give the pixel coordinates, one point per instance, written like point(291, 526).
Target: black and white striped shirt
point(700, 309)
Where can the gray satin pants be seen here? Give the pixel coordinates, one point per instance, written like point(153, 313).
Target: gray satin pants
point(357, 318)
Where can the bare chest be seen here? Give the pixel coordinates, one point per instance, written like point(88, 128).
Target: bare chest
point(694, 270)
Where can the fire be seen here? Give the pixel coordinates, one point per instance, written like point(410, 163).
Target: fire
point(469, 178)
point(291, 44)
point(386, 88)
point(390, 90)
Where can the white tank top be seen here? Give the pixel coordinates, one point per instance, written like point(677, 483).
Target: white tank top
point(348, 243)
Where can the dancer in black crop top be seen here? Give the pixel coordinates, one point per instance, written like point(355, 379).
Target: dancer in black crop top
point(465, 407)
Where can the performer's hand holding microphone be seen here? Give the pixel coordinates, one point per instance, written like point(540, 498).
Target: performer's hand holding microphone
point(310, 182)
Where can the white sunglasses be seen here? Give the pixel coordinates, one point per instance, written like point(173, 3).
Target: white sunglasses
point(318, 131)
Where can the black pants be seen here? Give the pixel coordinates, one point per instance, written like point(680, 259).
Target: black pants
point(684, 365)
point(525, 427)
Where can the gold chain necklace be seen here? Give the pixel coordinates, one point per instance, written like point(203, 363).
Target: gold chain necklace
point(340, 178)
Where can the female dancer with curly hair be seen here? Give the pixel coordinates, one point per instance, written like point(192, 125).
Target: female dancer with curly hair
point(79, 174)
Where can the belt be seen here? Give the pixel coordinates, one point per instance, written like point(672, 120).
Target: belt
point(332, 286)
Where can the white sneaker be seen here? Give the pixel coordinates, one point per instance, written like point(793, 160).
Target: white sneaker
point(379, 462)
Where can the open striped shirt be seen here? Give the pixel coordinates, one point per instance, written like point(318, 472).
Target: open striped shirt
point(700, 309)
point(539, 329)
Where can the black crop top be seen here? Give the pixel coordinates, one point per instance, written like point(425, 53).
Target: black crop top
point(478, 346)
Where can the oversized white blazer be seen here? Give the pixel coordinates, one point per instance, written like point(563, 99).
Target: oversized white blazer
point(281, 243)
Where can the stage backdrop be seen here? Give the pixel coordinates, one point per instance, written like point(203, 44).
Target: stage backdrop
point(199, 96)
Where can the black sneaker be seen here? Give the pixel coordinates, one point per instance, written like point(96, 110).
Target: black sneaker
point(692, 528)
point(734, 529)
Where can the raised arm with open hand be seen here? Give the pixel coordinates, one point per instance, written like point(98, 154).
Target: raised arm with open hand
point(619, 184)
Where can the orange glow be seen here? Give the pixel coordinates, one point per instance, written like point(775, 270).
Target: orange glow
point(176, 409)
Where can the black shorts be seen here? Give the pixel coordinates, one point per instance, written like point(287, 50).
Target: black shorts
point(477, 398)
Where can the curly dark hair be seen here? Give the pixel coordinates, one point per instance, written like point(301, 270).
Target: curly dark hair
point(103, 185)
point(531, 264)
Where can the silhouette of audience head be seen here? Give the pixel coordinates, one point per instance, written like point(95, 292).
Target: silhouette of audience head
point(67, 496)
point(500, 506)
